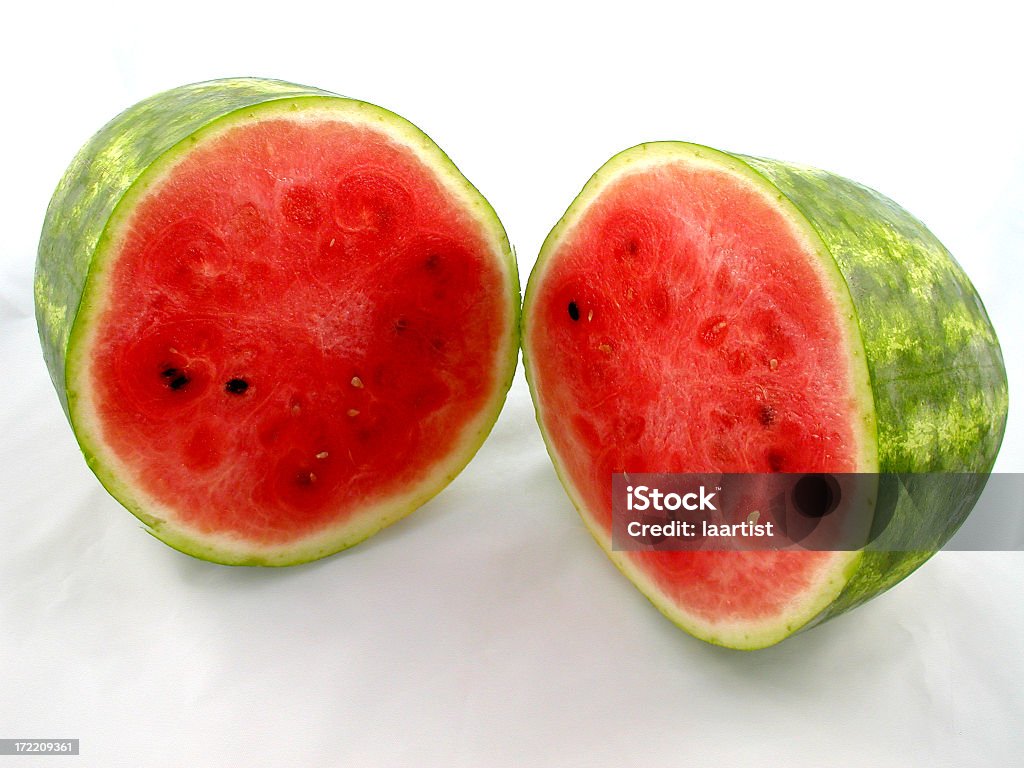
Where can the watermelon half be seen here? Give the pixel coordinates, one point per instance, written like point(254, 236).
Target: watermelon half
point(698, 311)
point(278, 319)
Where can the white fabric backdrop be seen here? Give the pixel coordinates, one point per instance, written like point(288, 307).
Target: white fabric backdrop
point(488, 629)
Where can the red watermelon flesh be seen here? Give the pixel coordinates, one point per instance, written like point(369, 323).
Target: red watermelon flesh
point(681, 323)
point(301, 331)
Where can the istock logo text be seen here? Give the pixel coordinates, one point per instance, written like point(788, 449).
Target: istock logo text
point(642, 498)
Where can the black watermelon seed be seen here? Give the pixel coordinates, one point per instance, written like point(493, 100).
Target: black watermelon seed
point(178, 382)
point(236, 386)
point(574, 311)
point(169, 373)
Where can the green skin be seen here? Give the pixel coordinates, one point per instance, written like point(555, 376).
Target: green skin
point(937, 379)
point(936, 369)
point(85, 208)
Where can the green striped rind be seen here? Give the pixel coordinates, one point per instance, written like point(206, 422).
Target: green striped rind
point(102, 171)
point(936, 369)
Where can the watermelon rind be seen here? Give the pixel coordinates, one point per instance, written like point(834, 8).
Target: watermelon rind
point(927, 372)
point(84, 223)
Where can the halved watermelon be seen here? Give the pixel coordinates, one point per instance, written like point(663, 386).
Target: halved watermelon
point(277, 319)
point(697, 311)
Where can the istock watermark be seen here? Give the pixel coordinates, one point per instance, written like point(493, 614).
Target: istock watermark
point(894, 512)
point(641, 498)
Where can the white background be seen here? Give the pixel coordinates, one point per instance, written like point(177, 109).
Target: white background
point(488, 629)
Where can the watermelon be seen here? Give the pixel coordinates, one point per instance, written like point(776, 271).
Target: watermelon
point(277, 319)
point(698, 311)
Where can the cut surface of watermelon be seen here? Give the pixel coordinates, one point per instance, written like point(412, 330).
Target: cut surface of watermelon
point(300, 323)
point(686, 316)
